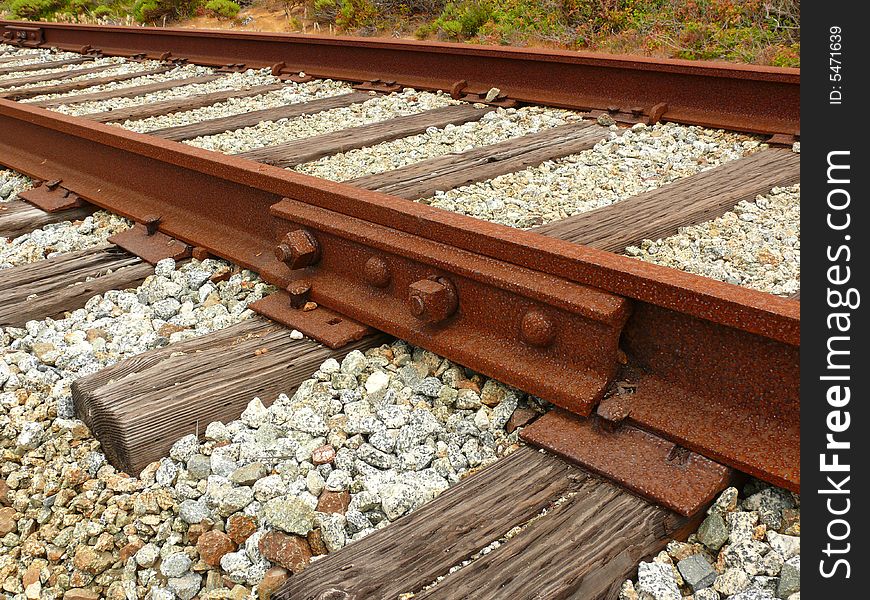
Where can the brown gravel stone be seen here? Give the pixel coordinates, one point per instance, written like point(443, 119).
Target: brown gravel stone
point(290, 551)
point(333, 502)
point(239, 592)
point(520, 418)
point(168, 329)
point(79, 579)
point(31, 575)
point(468, 384)
point(8, 522)
point(33, 546)
point(54, 553)
point(5, 500)
point(315, 541)
point(791, 521)
point(271, 582)
point(212, 545)
point(89, 560)
point(81, 594)
point(241, 527)
point(323, 455)
point(493, 393)
point(194, 531)
point(116, 591)
point(130, 549)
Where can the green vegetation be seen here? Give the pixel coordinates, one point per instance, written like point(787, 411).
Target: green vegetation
point(749, 31)
point(153, 11)
point(222, 9)
point(113, 11)
point(762, 31)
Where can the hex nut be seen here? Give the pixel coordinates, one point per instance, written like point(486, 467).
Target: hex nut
point(433, 300)
point(299, 249)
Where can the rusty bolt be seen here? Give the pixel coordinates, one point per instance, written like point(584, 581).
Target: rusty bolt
point(537, 328)
point(300, 293)
point(298, 249)
point(433, 300)
point(377, 272)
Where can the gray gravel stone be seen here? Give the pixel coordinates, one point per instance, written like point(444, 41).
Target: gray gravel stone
point(787, 546)
point(338, 480)
point(754, 594)
point(185, 448)
point(731, 581)
point(175, 565)
point(756, 245)
point(147, 555)
point(255, 414)
point(741, 526)
point(658, 581)
point(332, 530)
point(396, 500)
point(628, 163)
point(696, 572)
point(289, 514)
point(746, 555)
point(769, 504)
point(193, 511)
point(707, 594)
point(249, 474)
point(233, 500)
point(199, 466)
point(185, 587)
point(375, 457)
point(789, 578)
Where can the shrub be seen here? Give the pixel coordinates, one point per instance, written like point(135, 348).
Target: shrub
point(222, 9)
point(33, 9)
point(151, 11)
point(355, 14)
point(102, 11)
point(459, 20)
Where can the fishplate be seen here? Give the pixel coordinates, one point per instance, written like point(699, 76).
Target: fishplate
point(549, 336)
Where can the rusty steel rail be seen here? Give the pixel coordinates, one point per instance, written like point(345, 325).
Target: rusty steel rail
point(721, 95)
point(715, 365)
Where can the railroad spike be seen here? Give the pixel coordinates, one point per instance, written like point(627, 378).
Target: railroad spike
point(151, 222)
point(300, 293)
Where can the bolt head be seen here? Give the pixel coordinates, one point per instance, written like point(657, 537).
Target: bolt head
point(377, 272)
point(432, 300)
point(538, 329)
point(298, 249)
